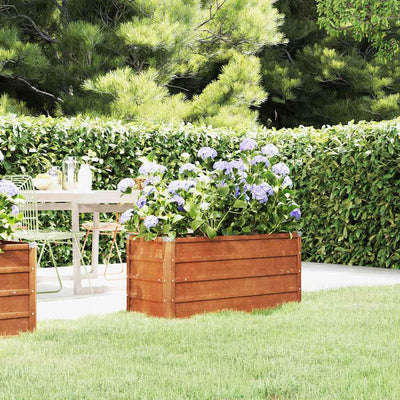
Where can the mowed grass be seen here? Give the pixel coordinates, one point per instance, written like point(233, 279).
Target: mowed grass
point(342, 344)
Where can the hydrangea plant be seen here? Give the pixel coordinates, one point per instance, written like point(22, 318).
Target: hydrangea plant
point(249, 193)
point(9, 211)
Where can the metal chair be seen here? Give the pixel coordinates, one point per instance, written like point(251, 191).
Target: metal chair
point(29, 229)
point(106, 228)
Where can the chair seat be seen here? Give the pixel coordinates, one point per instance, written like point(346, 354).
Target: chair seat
point(103, 226)
point(50, 235)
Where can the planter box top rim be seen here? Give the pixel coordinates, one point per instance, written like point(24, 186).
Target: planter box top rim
point(8, 245)
point(284, 235)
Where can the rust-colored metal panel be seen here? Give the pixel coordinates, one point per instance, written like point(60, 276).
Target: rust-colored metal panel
point(139, 249)
point(146, 290)
point(236, 303)
point(13, 326)
point(145, 270)
point(17, 288)
point(234, 249)
point(151, 308)
point(14, 303)
point(170, 278)
point(14, 257)
point(14, 281)
point(220, 289)
point(225, 269)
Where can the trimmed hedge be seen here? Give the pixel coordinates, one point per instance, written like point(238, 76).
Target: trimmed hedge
point(347, 177)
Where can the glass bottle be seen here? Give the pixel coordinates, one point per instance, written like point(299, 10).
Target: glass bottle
point(56, 176)
point(70, 171)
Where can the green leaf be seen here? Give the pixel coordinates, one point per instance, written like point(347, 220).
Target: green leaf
point(211, 233)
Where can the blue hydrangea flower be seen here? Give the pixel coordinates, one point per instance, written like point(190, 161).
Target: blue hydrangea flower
point(237, 191)
point(187, 167)
point(126, 216)
point(248, 144)
point(148, 190)
point(141, 202)
point(152, 180)
point(261, 192)
point(14, 210)
point(280, 169)
point(260, 159)
point(178, 200)
point(270, 150)
point(296, 214)
point(287, 182)
point(1, 156)
point(8, 188)
point(207, 152)
point(185, 184)
point(125, 184)
point(220, 165)
point(204, 206)
point(151, 168)
point(150, 221)
point(185, 156)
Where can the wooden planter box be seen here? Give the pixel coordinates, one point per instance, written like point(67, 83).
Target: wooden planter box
point(17, 288)
point(196, 275)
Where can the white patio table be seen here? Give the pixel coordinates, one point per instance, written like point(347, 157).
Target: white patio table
point(94, 202)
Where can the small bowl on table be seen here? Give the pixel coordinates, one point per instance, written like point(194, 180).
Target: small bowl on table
point(43, 183)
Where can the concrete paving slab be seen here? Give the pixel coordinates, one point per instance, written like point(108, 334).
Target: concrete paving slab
point(65, 305)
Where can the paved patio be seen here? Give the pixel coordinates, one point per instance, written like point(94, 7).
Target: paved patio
point(65, 305)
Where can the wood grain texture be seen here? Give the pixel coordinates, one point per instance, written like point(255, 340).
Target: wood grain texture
point(17, 288)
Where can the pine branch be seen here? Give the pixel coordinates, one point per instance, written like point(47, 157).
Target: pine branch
point(32, 88)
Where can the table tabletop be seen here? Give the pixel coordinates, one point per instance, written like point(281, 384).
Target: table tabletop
point(90, 197)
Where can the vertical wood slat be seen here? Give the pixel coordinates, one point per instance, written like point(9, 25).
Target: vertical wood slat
point(169, 278)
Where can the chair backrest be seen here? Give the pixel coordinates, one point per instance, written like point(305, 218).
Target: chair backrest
point(30, 219)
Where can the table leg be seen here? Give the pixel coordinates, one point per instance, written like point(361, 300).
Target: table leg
point(95, 243)
point(76, 267)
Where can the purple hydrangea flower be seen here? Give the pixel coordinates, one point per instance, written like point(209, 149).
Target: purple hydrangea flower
point(261, 192)
point(150, 168)
point(187, 167)
point(150, 221)
point(207, 152)
point(141, 202)
point(237, 191)
point(270, 150)
point(178, 200)
point(126, 216)
point(248, 144)
point(14, 210)
point(280, 169)
point(9, 188)
point(287, 182)
point(296, 214)
point(125, 184)
point(204, 206)
point(153, 180)
point(1, 156)
point(260, 159)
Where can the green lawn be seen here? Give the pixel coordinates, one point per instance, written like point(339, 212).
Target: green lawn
point(342, 344)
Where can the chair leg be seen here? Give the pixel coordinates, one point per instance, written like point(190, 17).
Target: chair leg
point(55, 266)
point(114, 242)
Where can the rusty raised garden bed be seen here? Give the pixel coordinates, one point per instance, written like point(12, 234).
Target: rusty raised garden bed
point(196, 275)
point(17, 288)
